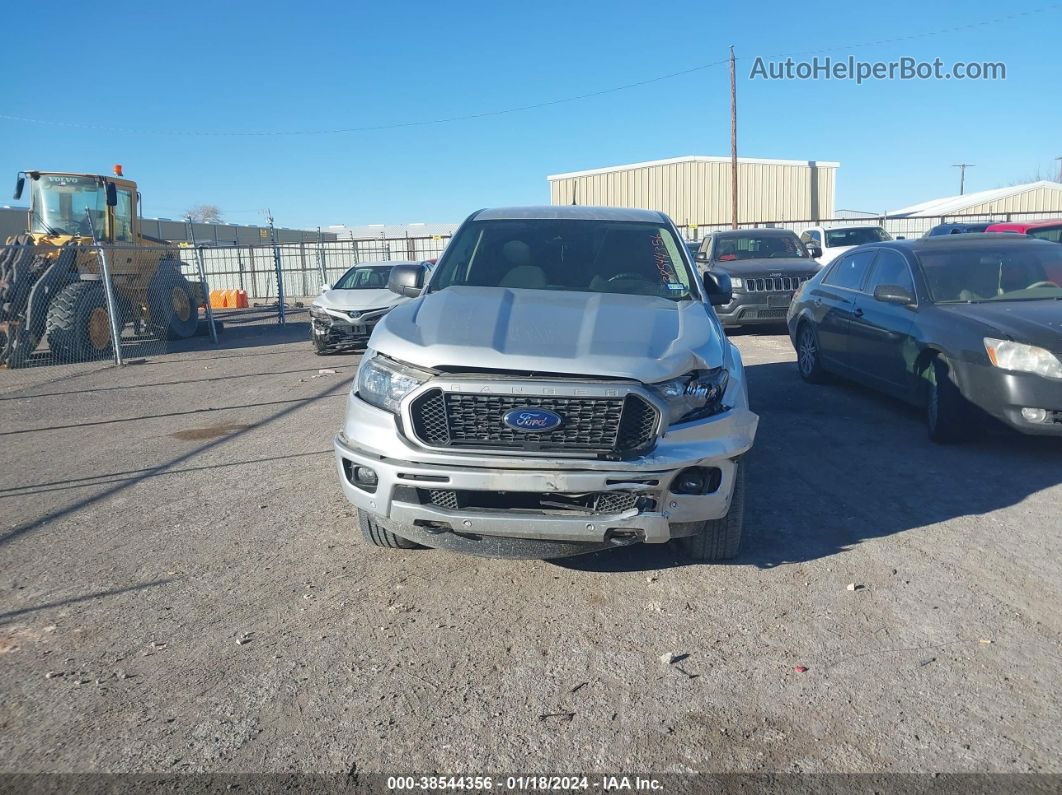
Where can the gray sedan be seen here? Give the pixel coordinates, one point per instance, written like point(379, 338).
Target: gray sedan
point(951, 323)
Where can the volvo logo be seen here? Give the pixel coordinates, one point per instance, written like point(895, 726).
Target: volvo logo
point(532, 419)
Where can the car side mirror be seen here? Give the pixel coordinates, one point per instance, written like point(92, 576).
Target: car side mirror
point(814, 249)
point(112, 195)
point(407, 280)
point(325, 288)
point(702, 257)
point(893, 294)
point(720, 290)
point(901, 237)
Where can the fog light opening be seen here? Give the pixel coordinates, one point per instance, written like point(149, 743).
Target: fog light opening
point(696, 480)
point(361, 476)
point(1034, 415)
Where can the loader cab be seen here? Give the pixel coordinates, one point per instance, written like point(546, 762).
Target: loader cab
point(62, 204)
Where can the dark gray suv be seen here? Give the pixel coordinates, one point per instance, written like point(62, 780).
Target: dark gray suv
point(765, 266)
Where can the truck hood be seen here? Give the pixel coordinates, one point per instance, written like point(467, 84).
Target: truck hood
point(468, 329)
point(759, 267)
point(1032, 322)
point(830, 253)
point(357, 299)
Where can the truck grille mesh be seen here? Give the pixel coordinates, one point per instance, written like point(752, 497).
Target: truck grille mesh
point(604, 425)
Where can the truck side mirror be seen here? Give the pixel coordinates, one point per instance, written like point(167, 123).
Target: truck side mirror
point(20, 183)
point(814, 249)
point(407, 280)
point(720, 290)
point(112, 195)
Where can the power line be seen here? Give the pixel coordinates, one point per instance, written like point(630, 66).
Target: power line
point(518, 108)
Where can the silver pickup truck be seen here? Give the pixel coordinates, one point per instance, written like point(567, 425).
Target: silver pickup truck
point(561, 385)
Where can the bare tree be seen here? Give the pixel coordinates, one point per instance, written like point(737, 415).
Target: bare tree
point(1037, 176)
point(204, 214)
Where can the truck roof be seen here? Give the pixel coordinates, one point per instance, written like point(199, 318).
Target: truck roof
point(572, 212)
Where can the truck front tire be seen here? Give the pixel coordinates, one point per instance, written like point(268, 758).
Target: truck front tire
point(720, 539)
point(380, 536)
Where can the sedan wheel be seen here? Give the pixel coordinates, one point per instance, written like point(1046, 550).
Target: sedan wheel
point(808, 361)
point(947, 412)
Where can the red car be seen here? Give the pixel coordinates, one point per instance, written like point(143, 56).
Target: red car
point(1048, 230)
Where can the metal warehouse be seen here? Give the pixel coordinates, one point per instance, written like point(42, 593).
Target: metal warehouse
point(695, 190)
point(1031, 197)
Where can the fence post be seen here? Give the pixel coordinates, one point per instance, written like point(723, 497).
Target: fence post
point(206, 294)
point(280, 283)
point(108, 291)
point(321, 259)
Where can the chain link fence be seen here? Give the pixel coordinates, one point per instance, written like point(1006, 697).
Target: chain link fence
point(78, 302)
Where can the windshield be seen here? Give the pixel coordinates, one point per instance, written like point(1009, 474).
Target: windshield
point(363, 278)
point(733, 247)
point(856, 237)
point(58, 205)
point(1014, 272)
point(550, 254)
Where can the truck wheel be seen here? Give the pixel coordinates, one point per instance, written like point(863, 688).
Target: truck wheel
point(78, 326)
point(172, 301)
point(809, 361)
point(380, 536)
point(720, 539)
point(947, 412)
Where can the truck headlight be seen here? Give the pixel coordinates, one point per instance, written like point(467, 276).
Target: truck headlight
point(697, 394)
point(736, 283)
point(384, 382)
point(1009, 355)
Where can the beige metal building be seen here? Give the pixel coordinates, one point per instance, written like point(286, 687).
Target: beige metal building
point(695, 190)
point(1030, 197)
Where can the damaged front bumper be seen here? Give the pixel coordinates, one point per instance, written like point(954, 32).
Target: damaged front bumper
point(531, 506)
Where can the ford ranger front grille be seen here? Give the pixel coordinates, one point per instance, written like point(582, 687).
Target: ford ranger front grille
point(619, 425)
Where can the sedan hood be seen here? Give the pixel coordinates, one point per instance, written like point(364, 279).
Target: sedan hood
point(1032, 322)
point(769, 265)
point(471, 329)
point(358, 299)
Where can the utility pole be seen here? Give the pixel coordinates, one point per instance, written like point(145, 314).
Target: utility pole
point(1059, 159)
point(962, 175)
point(733, 143)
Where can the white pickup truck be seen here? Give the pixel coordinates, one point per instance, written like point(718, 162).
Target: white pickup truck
point(561, 385)
point(835, 240)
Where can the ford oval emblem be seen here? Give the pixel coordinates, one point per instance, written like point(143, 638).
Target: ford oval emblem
point(532, 419)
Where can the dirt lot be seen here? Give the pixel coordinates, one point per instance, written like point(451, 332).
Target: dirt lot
point(152, 518)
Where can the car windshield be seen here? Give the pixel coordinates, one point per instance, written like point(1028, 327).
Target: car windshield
point(580, 255)
point(994, 272)
point(364, 278)
point(738, 247)
point(856, 236)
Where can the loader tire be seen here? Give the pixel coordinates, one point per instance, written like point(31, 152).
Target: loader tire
point(172, 301)
point(78, 326)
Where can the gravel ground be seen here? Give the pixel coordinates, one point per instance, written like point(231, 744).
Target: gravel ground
point(183, 588)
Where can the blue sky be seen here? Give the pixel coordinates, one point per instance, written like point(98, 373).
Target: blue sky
point(270, 66)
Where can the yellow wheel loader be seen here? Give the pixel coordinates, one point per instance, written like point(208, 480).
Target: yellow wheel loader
point(50, 277)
